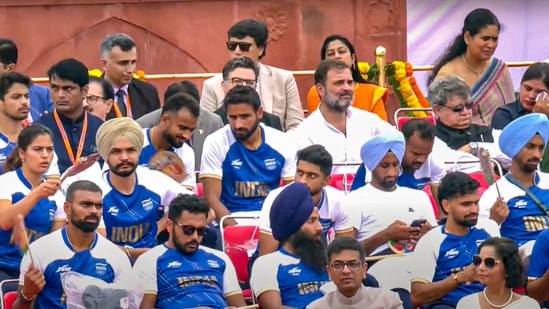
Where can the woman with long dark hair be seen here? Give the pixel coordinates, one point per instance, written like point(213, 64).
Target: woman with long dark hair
point(24, 192)
point(470, 56)
point(500, 270)
point(368, 96)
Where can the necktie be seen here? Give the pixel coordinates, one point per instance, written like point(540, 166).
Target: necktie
point(121, 103)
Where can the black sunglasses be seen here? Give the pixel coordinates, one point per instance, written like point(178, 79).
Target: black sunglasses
point(242, 45)
point(489, 262)
point(189, 230)
point(460, 108)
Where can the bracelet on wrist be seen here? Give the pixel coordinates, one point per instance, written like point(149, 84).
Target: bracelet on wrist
point(27, 299)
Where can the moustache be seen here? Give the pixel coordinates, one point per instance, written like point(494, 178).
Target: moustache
point(91, 217)
point(125, 163)
point(192, 243)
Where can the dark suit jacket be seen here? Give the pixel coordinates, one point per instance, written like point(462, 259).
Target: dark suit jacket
point(40, 101)
point(144, 99)
point(268, 119)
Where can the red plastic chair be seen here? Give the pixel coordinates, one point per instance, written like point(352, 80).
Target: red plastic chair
point(400, 121)
point(484, 185)
point(342, 182)
point(427, 189)
point(199, 189)
point(237, 242)
point(9, 299)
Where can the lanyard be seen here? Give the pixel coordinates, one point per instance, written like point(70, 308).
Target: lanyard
point(66, 142)
point(128, 106)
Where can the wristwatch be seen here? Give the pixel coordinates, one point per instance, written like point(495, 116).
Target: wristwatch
point(474, 147)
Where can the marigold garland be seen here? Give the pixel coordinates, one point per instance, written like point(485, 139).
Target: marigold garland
point(139, 74)
point(400, 77)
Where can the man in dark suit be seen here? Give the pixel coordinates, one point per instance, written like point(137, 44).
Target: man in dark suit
point(133, 98)
point(243, 72)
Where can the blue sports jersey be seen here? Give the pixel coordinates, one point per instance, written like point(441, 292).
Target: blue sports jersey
point(38, 221)
point(440, 255)
point(103, 261)
point(130, 220)
point(525, 220)
point(539, 261)
point(298, 284)
point(185, 153)
point(6, 147)
point(202, 279)
point(247, 175)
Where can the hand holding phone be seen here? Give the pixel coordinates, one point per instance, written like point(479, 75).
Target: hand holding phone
point(418, 222)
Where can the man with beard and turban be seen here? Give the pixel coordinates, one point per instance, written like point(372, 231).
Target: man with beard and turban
point(335, 124)
point(177, 123)
point(521, 210)
point(384, 210)
point(292, 275)
point(180, 273)
point(244, 160)
point(134, 196)
point(442, 270)
point(77, 247)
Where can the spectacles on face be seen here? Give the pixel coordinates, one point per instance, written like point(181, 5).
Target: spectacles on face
point(244, 46)
point(92, 99)
point(352, 265)
point(189, 230)
point(489, 262)
point(460, 108)
point(243, 82)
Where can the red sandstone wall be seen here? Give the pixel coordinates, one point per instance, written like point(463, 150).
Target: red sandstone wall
point(188, 36)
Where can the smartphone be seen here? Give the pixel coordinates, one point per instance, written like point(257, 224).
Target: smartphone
point(418, 222)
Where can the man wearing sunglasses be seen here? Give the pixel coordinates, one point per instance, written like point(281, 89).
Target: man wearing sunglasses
point(277, 87)
point(442, 273)
point(518, 201)
point(457, 138)
point(347, 269)
point(180, 273)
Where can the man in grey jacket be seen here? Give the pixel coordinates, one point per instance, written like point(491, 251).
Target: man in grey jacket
point(208, 122)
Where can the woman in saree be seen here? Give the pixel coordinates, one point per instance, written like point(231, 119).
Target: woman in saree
point(368, 96)
point(470, 57)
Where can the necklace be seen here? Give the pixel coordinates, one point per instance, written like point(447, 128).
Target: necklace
point(470, 68)
point(498, 306)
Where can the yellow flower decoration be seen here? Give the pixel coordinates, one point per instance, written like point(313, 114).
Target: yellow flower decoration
point(95, 73)
point(364, 69)
point(139, 74)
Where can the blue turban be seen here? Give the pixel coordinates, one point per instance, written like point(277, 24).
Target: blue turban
point(520, 131)
point(290, 210)
point(375, 149)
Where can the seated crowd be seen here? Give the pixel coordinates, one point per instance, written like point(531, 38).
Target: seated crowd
point(100, 179)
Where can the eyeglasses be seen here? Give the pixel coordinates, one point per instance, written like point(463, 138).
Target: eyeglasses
point(352, 265)
point(244, 46)
point(189, 230)
point(243, 82)
point(460, 108)
point(489, 262)
point(92, 99)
